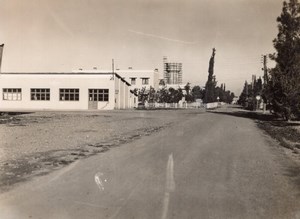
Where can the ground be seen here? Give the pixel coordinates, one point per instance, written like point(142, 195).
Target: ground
point(287, 133)
point(171, 164)
point(35, 144)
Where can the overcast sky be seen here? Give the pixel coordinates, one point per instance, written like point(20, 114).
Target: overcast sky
point(64, 35)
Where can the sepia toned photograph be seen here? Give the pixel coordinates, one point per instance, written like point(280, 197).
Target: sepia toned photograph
point(150, 109)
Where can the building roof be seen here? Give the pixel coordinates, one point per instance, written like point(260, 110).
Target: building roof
point(57, 73)
point(117, 70)
point(66, 73)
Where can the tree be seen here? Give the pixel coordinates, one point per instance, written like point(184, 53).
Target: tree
point(224, 96)
point(211, 81)
point(177, 96)
point(142, 95)
point(283, 89)
point(170, 95)
point(188, 96)
point(197, 92)
point(163, 95)
point(151, 95)
point(244, 96)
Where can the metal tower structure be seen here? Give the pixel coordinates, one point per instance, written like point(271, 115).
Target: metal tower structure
point(172, 72)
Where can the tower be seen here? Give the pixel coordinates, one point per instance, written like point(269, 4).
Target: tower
point(172, 72)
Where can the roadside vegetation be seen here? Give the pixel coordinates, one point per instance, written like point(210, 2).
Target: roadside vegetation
point(280, 90)
point(286, 133)
point(188, 93)
point(278, 93)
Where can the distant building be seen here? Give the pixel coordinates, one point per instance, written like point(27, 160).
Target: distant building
point(172, 72)
point(64, 91)
point(138, 79)
point(141, 78)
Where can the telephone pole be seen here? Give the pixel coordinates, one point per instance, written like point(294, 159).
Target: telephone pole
point(1, 52)
point(266, 80)
point(265, 69)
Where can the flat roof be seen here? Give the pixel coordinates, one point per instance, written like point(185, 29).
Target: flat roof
point(57, 73)
point(65, 73)
point(116, 71)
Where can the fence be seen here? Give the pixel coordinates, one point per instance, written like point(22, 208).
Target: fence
point(183, 105)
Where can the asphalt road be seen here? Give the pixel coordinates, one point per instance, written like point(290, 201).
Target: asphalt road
point(205, 166)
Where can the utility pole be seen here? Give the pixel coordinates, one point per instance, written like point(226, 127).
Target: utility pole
point(113, 69)
point(265, 69)
point(1, 52)
point(247, 93)
point(266, 80)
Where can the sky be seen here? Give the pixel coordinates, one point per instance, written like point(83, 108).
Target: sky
point(61, 36)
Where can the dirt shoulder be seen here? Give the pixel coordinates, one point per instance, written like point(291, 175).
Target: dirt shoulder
point(286, 133)
point(288, 136)
point(35, 144)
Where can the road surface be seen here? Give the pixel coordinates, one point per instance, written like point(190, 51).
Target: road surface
point(207, 165)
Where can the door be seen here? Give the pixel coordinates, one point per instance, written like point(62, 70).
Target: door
point(93, 103)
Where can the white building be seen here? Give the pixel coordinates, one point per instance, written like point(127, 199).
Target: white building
point(138, 79)
point(141, 78)
point(64, 91)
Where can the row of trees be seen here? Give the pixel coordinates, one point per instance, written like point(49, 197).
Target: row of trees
point(281, 87)
point(188, 93)
point(170, 95)
point(248, 98)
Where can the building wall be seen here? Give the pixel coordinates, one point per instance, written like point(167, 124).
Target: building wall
point(122, 93)
point(133, 100)
point(139, 75)
point(55, 81)
point(126, 97)
point(122, 101)
point(117, 93)
point(128, 74)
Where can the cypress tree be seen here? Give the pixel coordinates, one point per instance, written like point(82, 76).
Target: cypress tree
point(211, 81)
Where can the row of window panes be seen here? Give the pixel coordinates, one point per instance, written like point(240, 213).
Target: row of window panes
point(64, 94)
point(12, 94)
point(40, 94)
point(69, 94)
point(145, 81)
point(98, 94)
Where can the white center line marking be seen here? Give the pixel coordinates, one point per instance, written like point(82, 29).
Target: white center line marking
point(170, 186)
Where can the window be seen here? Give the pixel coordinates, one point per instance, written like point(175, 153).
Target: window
point(40, 94)
point(98, 94)
point(12, 94)
point(133, 80)
point(145, 81)
point(69, 94)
